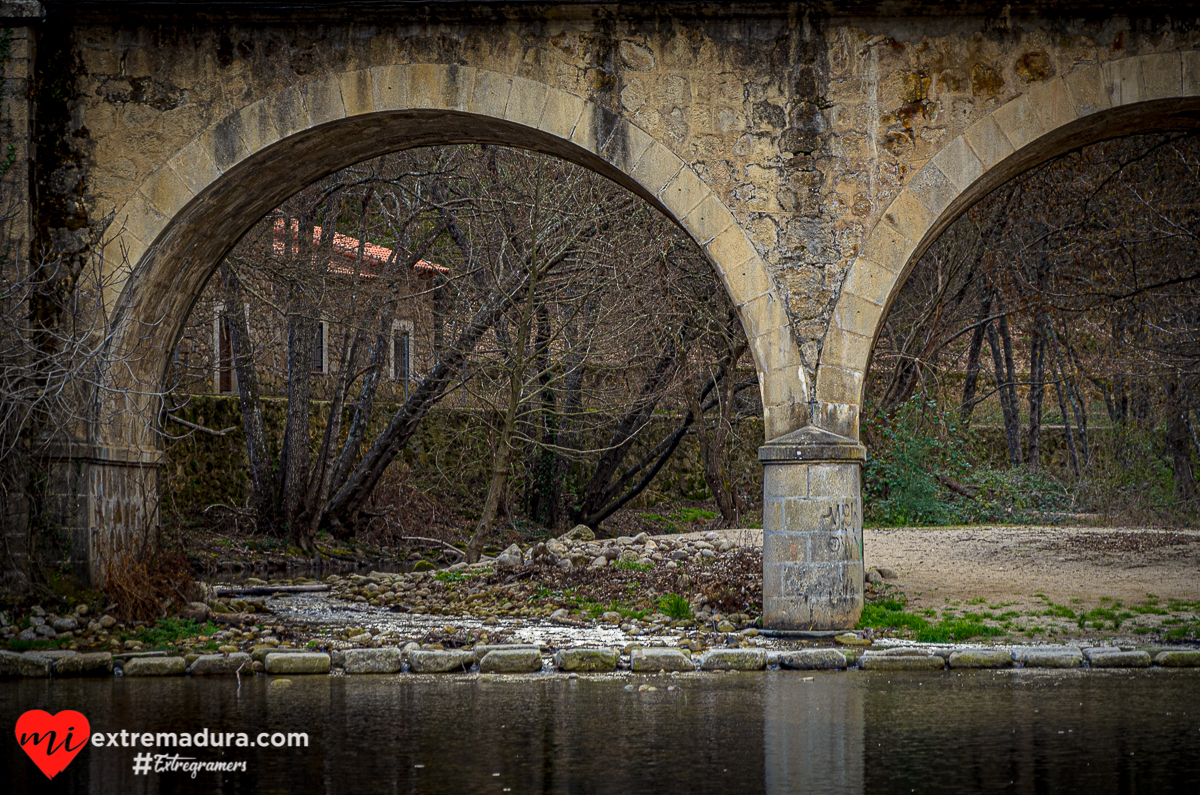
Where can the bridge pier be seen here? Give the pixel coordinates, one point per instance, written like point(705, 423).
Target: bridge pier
point(812, 531)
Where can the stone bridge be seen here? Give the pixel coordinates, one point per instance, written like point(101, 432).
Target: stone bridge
point(814, 150)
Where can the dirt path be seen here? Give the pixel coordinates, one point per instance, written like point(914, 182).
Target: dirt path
point(1010, 564)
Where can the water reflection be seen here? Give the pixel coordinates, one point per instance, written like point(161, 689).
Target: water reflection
point(773, 732)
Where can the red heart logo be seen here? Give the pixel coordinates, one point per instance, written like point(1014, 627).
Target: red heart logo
point(52, 741)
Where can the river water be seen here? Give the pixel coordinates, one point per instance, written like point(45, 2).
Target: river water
point(1011, 731)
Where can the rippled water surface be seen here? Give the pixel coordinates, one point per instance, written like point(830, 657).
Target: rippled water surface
point(1013, 731)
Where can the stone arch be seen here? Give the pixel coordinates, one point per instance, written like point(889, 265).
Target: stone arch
point(183, 218)
point(1137, 94)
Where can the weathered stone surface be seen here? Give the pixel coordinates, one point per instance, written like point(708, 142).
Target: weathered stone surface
point(15, 665)
point(425, 661)
point(1106, 657)
point(483, 648)
point(155, 666)
point(511, 661)
point(90, 664)
point(221, 664)
point(259, 653)
point(812, 660)
point(1178, 659)
point(981, 658)
point(306, 663)
point(586, 660)
point(874, 661)
point(659, 659)
point(734, 660)
point(510, 557)
point(372, 661)
point(1050, 657)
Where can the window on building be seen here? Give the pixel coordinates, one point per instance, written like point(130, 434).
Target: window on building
point(319, 361)
point(401, 358)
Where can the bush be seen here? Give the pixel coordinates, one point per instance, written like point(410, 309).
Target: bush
point(907, 449)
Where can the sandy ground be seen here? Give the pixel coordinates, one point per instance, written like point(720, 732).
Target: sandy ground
point(1011, 564)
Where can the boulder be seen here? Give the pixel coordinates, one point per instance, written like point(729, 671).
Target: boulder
point(372, 661)
point(511, 661)
point(659, 659)
point(65, 624)
point(981, 658)
point(510, 557)
point(812, 660)
point(586, 660)
point(221, 664)
point(1178, 659)
point(424, 661)
point(304, 663)
point(734, 660)
point(91, 664)
point(579, 532)
point(14, 665)
point(155, 666)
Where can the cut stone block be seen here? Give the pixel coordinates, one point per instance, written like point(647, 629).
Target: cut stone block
point(259, 653)
point(1178, 659)
point(981, 658)
point(586, 660)
point(874, 661)
point(372, 661)
point(14, 665)
point(734, 660)
point(426, 661)
point(1062, 657)
point(813, 660)
point(155, 666)
point(482, 649)
point(304, 663)
point(221, 665)
point(90, 664)
point(659, 659)
point(511, 661)
point(1108, 657)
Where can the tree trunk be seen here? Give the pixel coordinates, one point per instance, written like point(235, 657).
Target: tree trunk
point(972, 379)
point(1012, 433)
point(1179, 446)
point(1037, 393)
point(262, 477)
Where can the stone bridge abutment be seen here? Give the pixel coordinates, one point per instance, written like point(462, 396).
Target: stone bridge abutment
point(812, 156)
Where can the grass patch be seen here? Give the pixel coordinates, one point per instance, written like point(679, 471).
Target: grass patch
point(676, 522)
point(675, 606)
point(891, 615)
point(632, 565)
point(168, 631)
